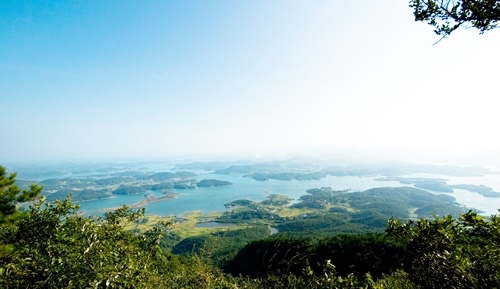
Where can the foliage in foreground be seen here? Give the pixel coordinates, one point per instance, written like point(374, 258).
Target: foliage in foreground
point(447, 16)
point(452, 253)
point(11, 196)
point(52, 246)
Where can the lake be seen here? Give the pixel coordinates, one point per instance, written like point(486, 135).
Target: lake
point(212, 199)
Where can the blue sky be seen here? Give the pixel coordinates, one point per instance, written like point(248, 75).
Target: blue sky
point(87, 80)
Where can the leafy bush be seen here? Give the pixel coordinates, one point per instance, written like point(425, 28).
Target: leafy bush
point(452, 253)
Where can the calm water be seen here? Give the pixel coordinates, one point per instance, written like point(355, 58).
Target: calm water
point(212, 199)
point(214, 225)
point(471, 199)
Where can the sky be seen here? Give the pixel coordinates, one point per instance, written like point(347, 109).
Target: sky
point(88, 80)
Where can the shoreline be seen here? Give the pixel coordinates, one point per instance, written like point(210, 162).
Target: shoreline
point(148, 198)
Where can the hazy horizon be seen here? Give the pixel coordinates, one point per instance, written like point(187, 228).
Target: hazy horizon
point(345, 157)
point(123, 80)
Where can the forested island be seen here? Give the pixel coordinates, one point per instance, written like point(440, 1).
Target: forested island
point(441, 185)
point(286, 176)
point(305, 168)
point(92, 188)
point(79, 195)
point(212, 183)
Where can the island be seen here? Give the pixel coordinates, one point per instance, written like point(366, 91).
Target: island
point(286, 176)
point(78, 195)
point(212, 183)
point(481, 189)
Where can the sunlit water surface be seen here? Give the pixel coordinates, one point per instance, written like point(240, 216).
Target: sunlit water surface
point(212, 199)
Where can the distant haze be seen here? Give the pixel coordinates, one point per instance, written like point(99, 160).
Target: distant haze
point(114, 80)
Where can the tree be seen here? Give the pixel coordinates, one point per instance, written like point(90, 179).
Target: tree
point(452, 253)
point(53, 246)
point(11, 196)
point(448, 15)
